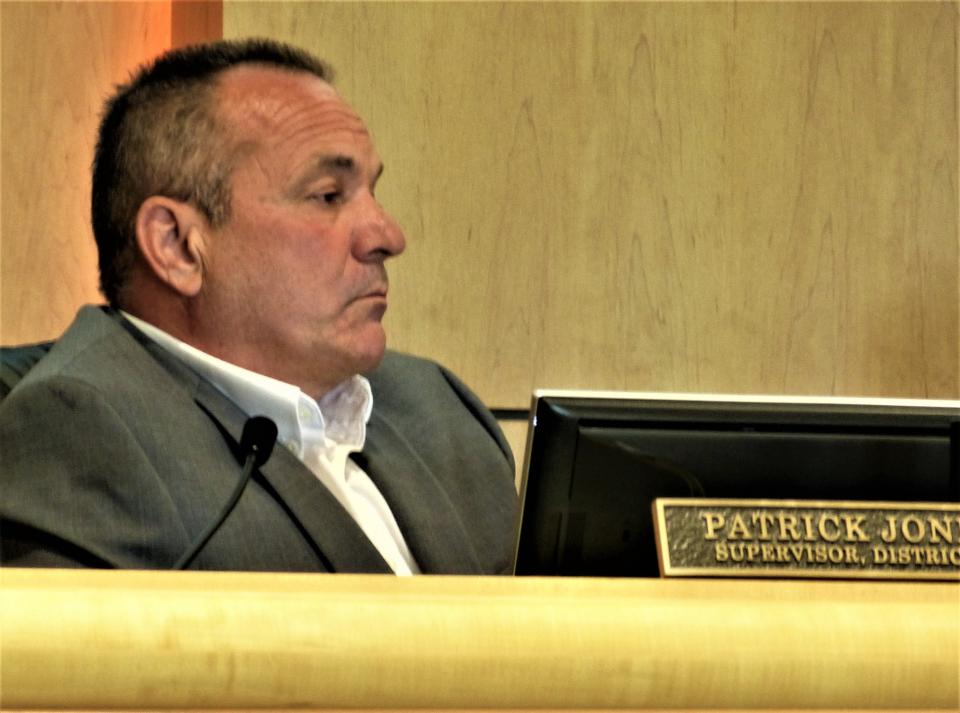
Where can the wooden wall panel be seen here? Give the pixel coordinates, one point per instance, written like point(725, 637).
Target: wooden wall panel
point(734, 197)
point(195, 21)
point(58, 62)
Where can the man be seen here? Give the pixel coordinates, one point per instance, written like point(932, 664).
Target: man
point(242, 253)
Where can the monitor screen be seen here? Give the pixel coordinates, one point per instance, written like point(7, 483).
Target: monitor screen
point(595, 461)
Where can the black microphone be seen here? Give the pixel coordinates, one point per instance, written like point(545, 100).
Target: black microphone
point(259, 437)
point(256, 444)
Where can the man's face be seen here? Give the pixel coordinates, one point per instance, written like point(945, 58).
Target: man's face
point(295, 285)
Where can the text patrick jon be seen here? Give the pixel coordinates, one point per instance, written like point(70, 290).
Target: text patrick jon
point(834, 538)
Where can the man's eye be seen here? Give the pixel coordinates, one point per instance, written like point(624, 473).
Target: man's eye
point(327, 197)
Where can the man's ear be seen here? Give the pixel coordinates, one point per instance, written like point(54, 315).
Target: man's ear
point(171, 236)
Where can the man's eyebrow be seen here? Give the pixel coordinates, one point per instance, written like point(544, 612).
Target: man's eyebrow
point(337, 163)
point(332, 163)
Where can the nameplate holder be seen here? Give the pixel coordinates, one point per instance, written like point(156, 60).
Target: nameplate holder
point(699, 537)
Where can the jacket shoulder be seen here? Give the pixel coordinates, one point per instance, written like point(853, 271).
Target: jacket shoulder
point(405, 385)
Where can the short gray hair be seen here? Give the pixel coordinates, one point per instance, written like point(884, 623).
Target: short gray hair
point(159, 136)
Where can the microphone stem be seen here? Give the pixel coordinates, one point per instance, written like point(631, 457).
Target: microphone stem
point(187, 558)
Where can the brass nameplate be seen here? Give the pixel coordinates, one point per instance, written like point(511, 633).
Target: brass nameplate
point(796, 538)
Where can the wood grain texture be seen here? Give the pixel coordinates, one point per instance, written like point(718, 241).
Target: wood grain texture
point(59, 61)
point(717, 197)
point(234, 641)
point(195, 21)
point(516, 435)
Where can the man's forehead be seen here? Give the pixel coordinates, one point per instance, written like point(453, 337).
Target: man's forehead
point(262, 96)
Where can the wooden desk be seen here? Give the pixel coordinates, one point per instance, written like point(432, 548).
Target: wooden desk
point(146, 640)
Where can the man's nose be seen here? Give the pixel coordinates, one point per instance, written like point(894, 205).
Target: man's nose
point(377, 234)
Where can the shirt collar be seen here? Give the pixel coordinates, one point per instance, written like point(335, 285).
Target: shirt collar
point(340, 415)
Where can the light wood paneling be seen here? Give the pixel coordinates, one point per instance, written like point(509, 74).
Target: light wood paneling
point(516, 435)
point(59, 60)
point(235, 641)
point(195, 21)
point(732, 197)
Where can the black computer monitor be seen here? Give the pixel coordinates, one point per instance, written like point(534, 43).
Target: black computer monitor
point(596, 460)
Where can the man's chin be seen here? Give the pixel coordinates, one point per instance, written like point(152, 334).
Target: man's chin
point(368, 353)
point(326, 363)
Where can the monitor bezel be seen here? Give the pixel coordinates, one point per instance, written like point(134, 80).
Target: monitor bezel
point(856, 405)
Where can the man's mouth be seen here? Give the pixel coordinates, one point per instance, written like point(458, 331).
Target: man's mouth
point(375, 293)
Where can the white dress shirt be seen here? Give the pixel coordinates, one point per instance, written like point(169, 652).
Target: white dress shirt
point(321, 434)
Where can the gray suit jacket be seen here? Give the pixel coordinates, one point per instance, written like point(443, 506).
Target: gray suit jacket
point(113, 453)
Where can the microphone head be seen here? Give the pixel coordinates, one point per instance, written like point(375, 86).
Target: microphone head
point(259, 437)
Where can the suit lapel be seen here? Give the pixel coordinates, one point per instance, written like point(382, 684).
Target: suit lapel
point(337, 536)
point(338, 539)
point(425, 514)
